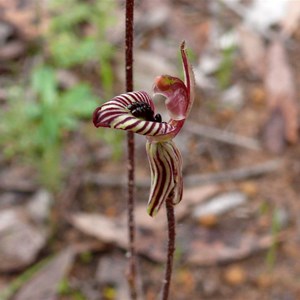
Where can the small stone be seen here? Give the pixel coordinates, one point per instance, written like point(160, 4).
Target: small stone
point(208, 221)
point(249, 188)
point(235, 275)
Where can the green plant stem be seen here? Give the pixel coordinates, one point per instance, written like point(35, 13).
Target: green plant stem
point(171, 249)
point(131, 277)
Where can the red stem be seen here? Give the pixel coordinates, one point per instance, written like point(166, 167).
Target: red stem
point(171, 249)
point(130, 146)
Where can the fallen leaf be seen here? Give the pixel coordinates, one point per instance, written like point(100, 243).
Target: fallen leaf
point(152, 244)
point(114, 231)
point(151, 232)
point(44, 285)
point(105, 229)
point(220, 204)
point(207, 253)
point(281, 97)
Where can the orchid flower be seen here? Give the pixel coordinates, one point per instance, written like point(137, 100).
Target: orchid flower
point(135, 111)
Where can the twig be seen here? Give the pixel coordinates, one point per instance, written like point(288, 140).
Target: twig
point(130, 146)
point(223, 136)
point(171, 249)
point(113, 181)
point(193, 180)
point(235, 174)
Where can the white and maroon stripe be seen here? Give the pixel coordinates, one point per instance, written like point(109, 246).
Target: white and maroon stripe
point(115, 114)
point(134, 97)
point(162, 165)
point(176, 159)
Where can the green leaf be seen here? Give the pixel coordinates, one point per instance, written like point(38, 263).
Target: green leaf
point(68, 50)
point(80, 101)
point(44, 83)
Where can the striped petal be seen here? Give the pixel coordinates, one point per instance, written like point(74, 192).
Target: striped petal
point(116, 114)
point(166, 174)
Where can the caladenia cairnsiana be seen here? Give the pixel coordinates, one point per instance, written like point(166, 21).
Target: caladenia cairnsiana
point(135, 111)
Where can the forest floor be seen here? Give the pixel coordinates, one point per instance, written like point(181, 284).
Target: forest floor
point(238, 225)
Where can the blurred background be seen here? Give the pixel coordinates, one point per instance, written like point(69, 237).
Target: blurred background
point(63, 182)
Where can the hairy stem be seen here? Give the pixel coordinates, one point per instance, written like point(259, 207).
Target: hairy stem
point(171, 249)
point(131, 277)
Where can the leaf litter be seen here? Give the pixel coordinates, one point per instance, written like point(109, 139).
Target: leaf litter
point(240, 232)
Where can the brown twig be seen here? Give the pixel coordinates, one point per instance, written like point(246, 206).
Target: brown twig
point(171, 249)
point(235, 174)
point(194, 180)
point(130, 146)
point(223, 136)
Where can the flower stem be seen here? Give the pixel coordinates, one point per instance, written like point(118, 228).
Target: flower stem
point(171, 249)
point(131, 276)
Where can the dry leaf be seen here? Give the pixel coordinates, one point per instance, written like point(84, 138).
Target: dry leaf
point(220, 204)
point(207, 253)
point(253, 49)
point(44, 285)
point(281, 96)
point(106, 229)
point(151, 232)
point(114, 231)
